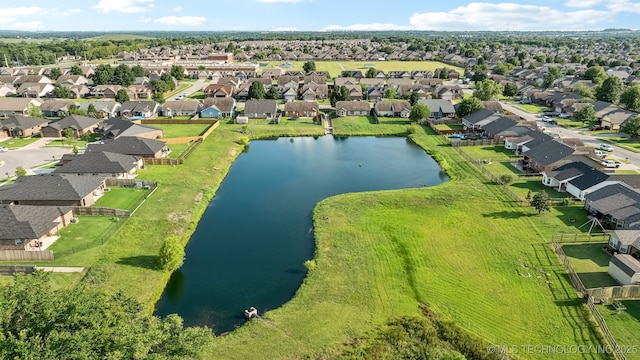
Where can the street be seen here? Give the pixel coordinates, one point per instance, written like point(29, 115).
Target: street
point(32, 155)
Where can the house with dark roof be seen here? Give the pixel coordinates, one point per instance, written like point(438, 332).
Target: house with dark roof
point(393, 108)
point(576, 178)
point(104, 164)
point(479, 118)
point(352, 108)
point(24, 227)
point(139, 109)
point(181, 108)
point(617, 206)
point(625, 269)
point(21, 126)
point(439, 108)
point(53, 190)
point(301, 109)
point(261, 109)
point(79, 124)
point(494, 129)
point(56, 107)
point(219, 108)
point(104, 109)
point(114, 128)
point(131, 145)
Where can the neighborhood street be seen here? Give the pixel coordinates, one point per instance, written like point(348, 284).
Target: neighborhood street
point(32, 155)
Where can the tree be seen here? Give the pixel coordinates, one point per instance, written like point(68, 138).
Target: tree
point(256, 90)
point(486, 90)
point(371, 73)
point(91, 111)
point(76, 70)
point(419, 112)
point(444, 73)
point(86, 322)
point(500, 69)
point(347, 73)
point(551, 76)
point(584, 90)
point(122, 75)
point(61, 92)
point(587, 113)
point(505, 179)
point(171, 254)
point(630, 97)
point(273, 93)
point(102, 74)
point(309, 66)
point(631, 127)
point(137, 71)
point(122, 96)
point(20, 171)
point(390, 93)
point(479, 75)
point(413, 98)
point(55, 73)
point(345, 94)
point(468, 105)
point(540, 201)
point(177, 72)
point(34, 111)
point(68, 135)
point(510, 89)
point(610, 90)
point(596, 74)
point(168, 79)
point(158, 97)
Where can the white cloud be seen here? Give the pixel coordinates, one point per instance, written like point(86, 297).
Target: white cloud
point(365, 27)
point(285, 29)
point(6, 20)
point(70, 12)
point(22, 11)
point(177, 8)
point(145, 19)
point(619, 6)
point(280, 1)
point(508, 16)
point(29, 25)
point(582, 3)
point(182, 20)
point(125, 6)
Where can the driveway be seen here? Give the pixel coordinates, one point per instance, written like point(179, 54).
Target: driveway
point(30, 156)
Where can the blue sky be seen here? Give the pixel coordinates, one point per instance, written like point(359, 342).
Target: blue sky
point(317, 15)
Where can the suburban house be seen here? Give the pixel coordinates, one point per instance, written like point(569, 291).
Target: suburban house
point(7, 90)
point(624, 241)
point(393, 108)
point(114, 128)
point(312, 91)
point(301, 109)
point(24, 227)
point(498, 129)
point(477, 119)
point(355, 92)
point(79, 124)
point(181, 108)
point(57, 107)
point(21, 126)
point(439, 108)
point(625, 269)
point(546, 155)
point(576, 178)
point(617, 206)
point(290, 95)
point(352, 108)
point(104, 108)
point(34, 90)
point(34, 79)
point(71, 80)
point(218, 91)
point(131, 145)
point(139, 91)
point(137, 109)
point(17, 106)
point(614, 119)
point(219, 108)
point(79, 91)
point(53, 190)
point(104, 164)
point(261, 109)
point(106, 91)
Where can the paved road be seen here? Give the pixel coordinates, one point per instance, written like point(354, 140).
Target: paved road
point(32, 155)
point(621, 154)
point(195, 87)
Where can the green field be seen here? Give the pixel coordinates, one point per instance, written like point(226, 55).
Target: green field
point(16, 143)
point(118, 37)
point(122, 198)
point(262, 128)
point(335, 68)
point(591, 263)
point(631, 144)
point(180, 130)
point(364, 126)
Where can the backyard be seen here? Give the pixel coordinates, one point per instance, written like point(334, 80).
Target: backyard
point(364, 125)
point(591, 263)
point(123, 198)
point(180, 130)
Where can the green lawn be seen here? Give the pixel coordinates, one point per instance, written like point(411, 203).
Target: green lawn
point(334, 68)
point(180, 130)
point(178, 149)
point(571, 123)
point(364, 125)
point(625, 326)
point(591, 263)
point(16, 143)
point(531, 108)
point(81, 244)
point(457, 127)
point(628, 143)
point(493, 152)
point(122, 198)
point(262, 128)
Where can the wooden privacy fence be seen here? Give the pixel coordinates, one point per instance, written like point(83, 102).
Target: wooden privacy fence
point(628, 292)
point(580, 238)
point(177, 122)
point(479, 142)
point(129, 182)
point(162, 161)
point(605, 330)
point(22, 255)
point(9, 270)
point(100, 211)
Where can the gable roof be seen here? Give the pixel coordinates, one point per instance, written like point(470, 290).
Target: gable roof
point(17, 104)
point(438, 105)
point(100, 105)
point(392, 105)
point(353, 105)
point(182, 105)
point(76, 122)
point(498, 125)
point(626, 263)
point(550, 153)
point(28, 222)
point(261, 107)
point(56, 104)
point(582, 175)
point(478, 116)
point(22, 122)
point(301, 106)
point(98, 162)
point(128, 145)
point(225, 105)
point(119, 127)
point(50, 187)
point(138, 105)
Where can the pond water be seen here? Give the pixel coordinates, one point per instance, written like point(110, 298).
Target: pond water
point(250, 246)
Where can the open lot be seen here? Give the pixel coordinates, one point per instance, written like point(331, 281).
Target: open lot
point(335, 68)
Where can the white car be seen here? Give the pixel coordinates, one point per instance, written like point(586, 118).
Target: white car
point(606, 147)
point(611, 164)
point(546, 118)
point(3, 149)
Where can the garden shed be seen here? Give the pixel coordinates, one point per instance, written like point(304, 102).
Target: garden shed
point(625, 269)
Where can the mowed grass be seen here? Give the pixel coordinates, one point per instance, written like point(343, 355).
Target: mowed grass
point(16, 143)
point(624, 326)
point(262, 128)
point(180, 130)
point(122, 198)
point(591, 263)
point(335, 67)
point(460, 247)
point(364, 125)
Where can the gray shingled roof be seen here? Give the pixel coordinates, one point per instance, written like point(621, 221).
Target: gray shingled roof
point(478, 115)
point(26, 222)
point(128, 145)
point(77, 122)
point(100, 163)
point(584, 176)
point(436, 105)
point(627, 263)
point(50, 187)
point(22, 122)
point(550, 153)
point(115, 127)
point(223, 104)
point(497, 126)
point(261, 107)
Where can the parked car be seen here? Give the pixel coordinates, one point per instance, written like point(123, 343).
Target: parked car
point(601, 154)
point(3, 149)
point(546, 118)
point(564, 116)
point(596, 127)
point(611, 164)
point(606, 147)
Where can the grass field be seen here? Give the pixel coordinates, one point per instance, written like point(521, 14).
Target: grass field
point(178, 149)
point(449, 127)
point(180, 130)
point(122, 198)
point(591, 264)
point(16, 143)
point(628, 143)
point(261, 128)
point(625, 326)
point(531, 108)
point(335, 67)
point(364, 125)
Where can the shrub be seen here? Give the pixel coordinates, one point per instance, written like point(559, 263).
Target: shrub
point(505, 179)
point(171, 254)
point(243, 140)
point(310, 265)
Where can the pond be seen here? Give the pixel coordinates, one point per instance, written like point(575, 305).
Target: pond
point(250, 246)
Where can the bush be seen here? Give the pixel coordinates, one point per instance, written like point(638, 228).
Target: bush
point(171, 254)
point(243, 140)
point(505, 179)
point(310, 265)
